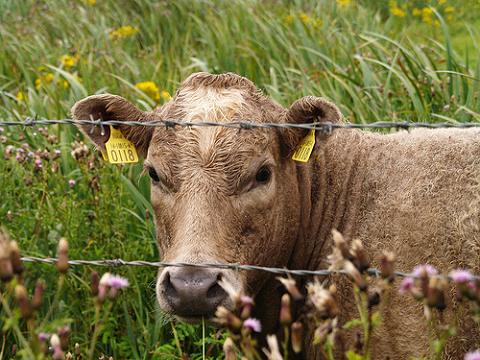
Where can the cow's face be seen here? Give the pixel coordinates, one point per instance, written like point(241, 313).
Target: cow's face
point(220, 195)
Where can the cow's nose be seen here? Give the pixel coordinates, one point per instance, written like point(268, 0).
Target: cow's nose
point(193, 292)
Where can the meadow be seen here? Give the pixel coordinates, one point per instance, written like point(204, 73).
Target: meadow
point(378, 60)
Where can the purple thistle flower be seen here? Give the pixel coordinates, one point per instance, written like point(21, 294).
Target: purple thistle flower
point(247, 300)
point(30, 154)
point(420, 269)
point(472, 355)
point(71, 183)
point(252, 325)
point(58, 152)
point(117, 282)
point(38, 164)
point(43, 336)
point(406, 285)
point(461, 276)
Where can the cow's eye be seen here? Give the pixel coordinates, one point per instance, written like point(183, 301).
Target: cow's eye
point(153, 174)
point(263, 175)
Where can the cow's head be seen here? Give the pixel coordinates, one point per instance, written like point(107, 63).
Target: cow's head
point(220, 195)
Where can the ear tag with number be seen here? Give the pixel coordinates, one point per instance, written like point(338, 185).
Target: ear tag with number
point(304, 149)
point(118, 149)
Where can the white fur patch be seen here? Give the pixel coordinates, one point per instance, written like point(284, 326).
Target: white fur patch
point(210, 104)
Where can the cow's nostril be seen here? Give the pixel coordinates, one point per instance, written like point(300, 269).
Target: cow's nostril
point(215, 292)
point(168, 287)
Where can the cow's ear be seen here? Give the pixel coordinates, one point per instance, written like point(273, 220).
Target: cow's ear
point(308, 109)
point(113, 107)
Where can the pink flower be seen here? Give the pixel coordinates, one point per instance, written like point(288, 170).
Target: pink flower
point(71, 183)
point(406, 285)
point(117, 282)
point(247, 300)
point(252, 325)
point(461, 276)
point(38, 164)
point(420, 269)
point(43, 337)
point(473, 355)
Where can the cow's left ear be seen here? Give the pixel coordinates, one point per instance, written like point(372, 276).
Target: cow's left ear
point(308, 109)
point(113, 107)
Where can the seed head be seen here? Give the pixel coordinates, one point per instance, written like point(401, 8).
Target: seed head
point(23, 302)
point(6, 268)
point(15, 258)
point(387, 266)
point(360, 257)
point(285, 311)
point(62, 263)
point(273, 352)
point(297, 337)
point(37, 294)
point(291, 286)
point(229, 349)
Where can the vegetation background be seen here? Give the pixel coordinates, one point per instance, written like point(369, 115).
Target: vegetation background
point(378, 60)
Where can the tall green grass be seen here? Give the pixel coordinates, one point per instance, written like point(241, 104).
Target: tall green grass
point(373, 65)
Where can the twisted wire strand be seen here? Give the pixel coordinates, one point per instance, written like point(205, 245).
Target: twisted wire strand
point(229, 266)
point(247, 125)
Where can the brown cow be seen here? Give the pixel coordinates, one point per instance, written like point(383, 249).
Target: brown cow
point(224, 195)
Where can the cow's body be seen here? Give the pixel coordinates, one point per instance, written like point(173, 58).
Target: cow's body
point(416, 194)
point(221, 195)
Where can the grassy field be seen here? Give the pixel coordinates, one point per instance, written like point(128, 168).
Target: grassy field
point(377, 60)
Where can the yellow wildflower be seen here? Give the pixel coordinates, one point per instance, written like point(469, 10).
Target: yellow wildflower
point(43, 79)
point(304, 18)
point(344, 3)
point(396, 11)
point(288, 20)
point(69, 61)
point(449, 18)
point(416, 12)
point(441, 2)
point(427, 15)
point(165, 95)
point(63, 83)
point(91, 2)
point(149, 88)
point(20, 96)
point(123, 32)
point(449, 9)
point(436, 23)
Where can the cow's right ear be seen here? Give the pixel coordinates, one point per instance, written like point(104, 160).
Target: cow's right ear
point(113, 107)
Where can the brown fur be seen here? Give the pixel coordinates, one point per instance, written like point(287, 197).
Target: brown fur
point(416, 194)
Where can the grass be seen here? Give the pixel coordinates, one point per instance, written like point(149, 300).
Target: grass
point(374, 65)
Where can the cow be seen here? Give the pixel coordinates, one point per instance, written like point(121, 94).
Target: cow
point(223, 195)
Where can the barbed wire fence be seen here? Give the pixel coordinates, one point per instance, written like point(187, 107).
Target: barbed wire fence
point(325, 127)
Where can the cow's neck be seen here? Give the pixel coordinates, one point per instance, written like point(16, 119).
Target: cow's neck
point(332, 196)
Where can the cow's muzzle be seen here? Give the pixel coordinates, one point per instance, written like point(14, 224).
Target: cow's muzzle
point(192, 292)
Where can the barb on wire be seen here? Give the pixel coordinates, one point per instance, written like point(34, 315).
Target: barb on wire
point(229, 266)
point(247, 125)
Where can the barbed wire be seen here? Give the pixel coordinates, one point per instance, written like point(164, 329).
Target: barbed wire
point(247, 125)
point(228, 266)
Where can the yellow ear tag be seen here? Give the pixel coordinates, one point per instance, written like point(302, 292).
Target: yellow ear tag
point(304, 149)
point(119, 149)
